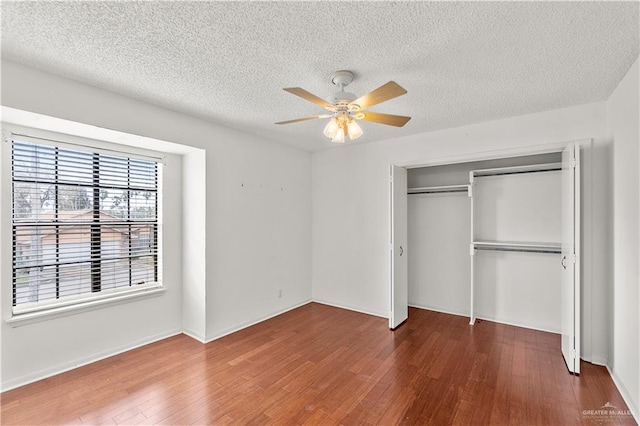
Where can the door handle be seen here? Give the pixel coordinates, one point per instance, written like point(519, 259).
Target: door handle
point(562, 262)
point(401, 251)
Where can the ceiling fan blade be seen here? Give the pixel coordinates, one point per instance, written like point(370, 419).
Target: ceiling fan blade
point(388, 119)
point(310, 97)
point(304, 119)
point(383, 93)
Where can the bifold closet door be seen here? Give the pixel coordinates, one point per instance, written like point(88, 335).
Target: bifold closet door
point(399, 273)
point(570, 293)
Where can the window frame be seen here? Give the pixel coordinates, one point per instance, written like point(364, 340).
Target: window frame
point(34, 312)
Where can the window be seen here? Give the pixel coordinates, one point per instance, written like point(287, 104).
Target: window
point(85, 224)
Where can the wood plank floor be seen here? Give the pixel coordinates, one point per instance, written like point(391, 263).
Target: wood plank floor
point(323, 365)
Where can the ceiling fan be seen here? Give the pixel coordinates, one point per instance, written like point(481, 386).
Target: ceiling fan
point(345, 107)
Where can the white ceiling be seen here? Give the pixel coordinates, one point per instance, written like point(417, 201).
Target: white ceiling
point(227, 62)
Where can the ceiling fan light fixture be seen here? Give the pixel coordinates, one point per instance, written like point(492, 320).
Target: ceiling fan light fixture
point(354, 130)
point(331, 128)
point(339, 136)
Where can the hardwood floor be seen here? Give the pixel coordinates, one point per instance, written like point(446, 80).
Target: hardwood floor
point(323, 365)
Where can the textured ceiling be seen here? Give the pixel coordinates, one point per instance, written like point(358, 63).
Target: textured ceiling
point(227, 62)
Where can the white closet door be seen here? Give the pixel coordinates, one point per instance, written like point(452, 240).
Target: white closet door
point(570, 294)
point(399, 273)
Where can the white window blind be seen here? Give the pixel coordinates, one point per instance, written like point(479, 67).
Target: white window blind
point(85, 224)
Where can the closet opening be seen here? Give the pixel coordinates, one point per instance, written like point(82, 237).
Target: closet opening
point(494, 239)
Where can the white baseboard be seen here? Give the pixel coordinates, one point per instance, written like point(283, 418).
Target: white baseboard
point(196, 336)
point(603, 362)
point(518, 324)
point(244, 325)
point(441, 310)
point(351, 308)
point(73, 364)
point(625, 395)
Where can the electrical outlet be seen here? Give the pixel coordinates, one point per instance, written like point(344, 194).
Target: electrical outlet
point(279, 293)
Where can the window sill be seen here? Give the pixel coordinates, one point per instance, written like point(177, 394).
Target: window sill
point(18, 320)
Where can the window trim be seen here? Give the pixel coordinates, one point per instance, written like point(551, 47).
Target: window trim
point(52, 312)
point(22, 315)
point(80, 143)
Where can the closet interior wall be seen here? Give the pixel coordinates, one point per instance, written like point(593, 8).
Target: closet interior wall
point(510, 286)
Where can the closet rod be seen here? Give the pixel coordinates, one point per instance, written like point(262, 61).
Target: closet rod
point(532, 168)
point(438, 189)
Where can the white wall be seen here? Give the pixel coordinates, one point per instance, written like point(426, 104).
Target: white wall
point(260, 241)
point(439, 226)
point(257, 233)
point(624, 113)
point(194, 264)
point(351, 203)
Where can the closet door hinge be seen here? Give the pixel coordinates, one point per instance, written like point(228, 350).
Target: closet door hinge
point(574, 258)
point(573, 163)
point(573, 354)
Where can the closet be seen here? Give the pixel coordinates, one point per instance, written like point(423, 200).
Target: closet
point(493, 239)
point(515, 236)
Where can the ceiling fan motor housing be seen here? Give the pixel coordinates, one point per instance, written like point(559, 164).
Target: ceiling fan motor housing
point(341, 97)
point(341, 79)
